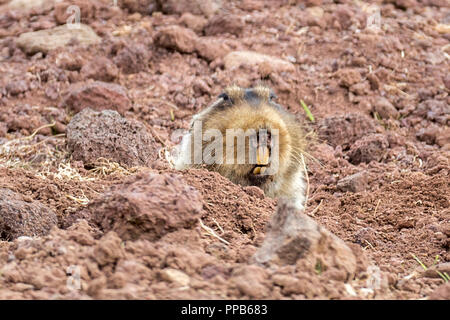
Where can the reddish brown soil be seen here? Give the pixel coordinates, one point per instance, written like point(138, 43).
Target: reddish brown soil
point(378, 173)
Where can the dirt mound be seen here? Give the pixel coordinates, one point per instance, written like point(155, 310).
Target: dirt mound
point(63, 14)
point(147, 207)
point(63, 189)
point(224, 24)
point(354, 183)
point(66, 248)
point(344, 130)
point(92, 135)
point(142, 269)
point(237, 210)
point(186, 41)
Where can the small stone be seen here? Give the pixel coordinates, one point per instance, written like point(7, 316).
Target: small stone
point(69, 60)
point(49, 39)
point(236, 59)
point(360, 88)
point(147, 206)
point(62, 14)
point(210, 48)
point(369, 148)
point(429, 134)
point(443, 138)
point(198, 7)
point(343, 14)
point(3, 129)
point(97, 95)
point(175, 276)
point(251, 5)
point(108, 249)
point(92, 135)
point(374, 81)
point(348, 77)
point(354, 183)
point(446, 81)
point(251, 281)
point(385, 109)
point(310, 3)
point(27, 5)
point(406, 224)
point(434, 110)
point(314, 17)
point(15, 88)
point(201, 87)
point(441, 293)
point(221, 24)
point(193, 22)
point(176, 38)
point(366, 237)
point(146, 7)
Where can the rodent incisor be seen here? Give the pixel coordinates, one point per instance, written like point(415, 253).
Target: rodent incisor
point(245, 109)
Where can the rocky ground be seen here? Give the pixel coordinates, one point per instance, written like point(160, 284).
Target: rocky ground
point(90, 207)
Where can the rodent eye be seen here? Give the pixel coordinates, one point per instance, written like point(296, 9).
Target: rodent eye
point(224, 96)
point(272, 96)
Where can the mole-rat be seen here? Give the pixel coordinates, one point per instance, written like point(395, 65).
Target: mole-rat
point(247, 137)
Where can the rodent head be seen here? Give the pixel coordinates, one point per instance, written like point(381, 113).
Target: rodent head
point(264, 140)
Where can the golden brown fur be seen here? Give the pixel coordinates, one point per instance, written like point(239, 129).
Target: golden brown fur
point(255, 108)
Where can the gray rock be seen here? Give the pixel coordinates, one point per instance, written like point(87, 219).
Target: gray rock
point(147, 206)
point(292, 236)
point(23, 218)
point(92, 135)
point(369, 148)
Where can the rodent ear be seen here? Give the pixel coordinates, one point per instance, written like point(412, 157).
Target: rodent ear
point(234, 93)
